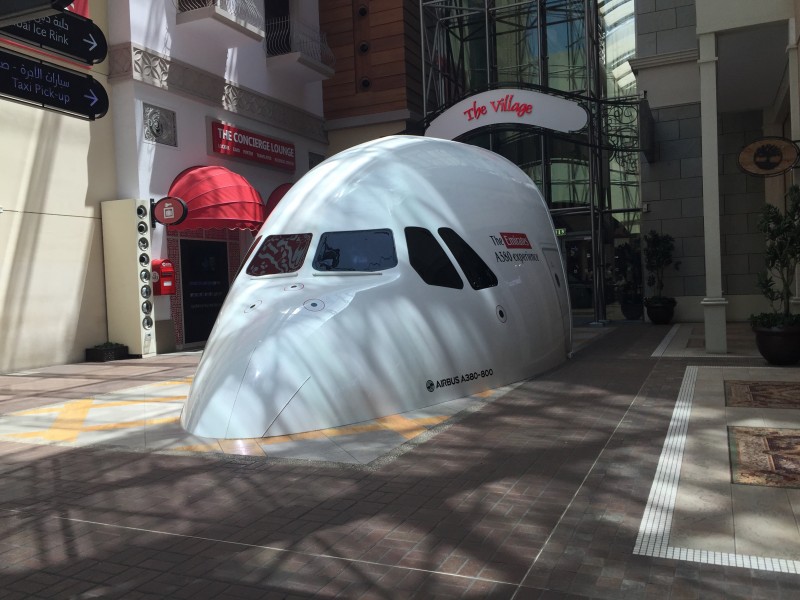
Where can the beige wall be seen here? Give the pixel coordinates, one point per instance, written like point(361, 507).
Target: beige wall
point(721, 15)
point(342, 139)
point(670, 85)
point(56, 171)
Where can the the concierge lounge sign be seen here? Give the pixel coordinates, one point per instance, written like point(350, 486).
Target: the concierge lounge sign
point(508, 106)
point(233, 142)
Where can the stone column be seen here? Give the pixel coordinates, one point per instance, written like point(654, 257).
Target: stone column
point(794, 83)
point(794, 118)
point(713, 304)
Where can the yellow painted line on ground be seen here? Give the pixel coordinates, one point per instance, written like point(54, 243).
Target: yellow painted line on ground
point(173, 381)
point(96, 404)
point(70, 423)
point(115, 403)
point(67, 425)
point(406, 427)
point(131, 424)
point(198, 448)
point(294, 437)
point(351, 429)
point(432, 420)
point(71, 419)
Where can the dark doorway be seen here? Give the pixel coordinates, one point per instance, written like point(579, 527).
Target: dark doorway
point(204, 284)
point(578, 257)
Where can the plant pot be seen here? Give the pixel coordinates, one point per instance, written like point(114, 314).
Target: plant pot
point(632, 311)
point(661, 313)
point(107, 353)
point(779, 345)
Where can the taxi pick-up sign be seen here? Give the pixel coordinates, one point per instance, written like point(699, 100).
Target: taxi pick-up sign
point(36, 82)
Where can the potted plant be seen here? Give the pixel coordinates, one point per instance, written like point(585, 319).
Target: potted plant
point(778, 331)
point(658, 251)
point(631, 302)
point(106, 351)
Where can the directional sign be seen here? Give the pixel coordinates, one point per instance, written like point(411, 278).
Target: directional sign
point(33, 81)
point(16, 11)
point(67, 34)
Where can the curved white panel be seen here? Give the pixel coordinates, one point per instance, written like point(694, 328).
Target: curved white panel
point(311, 349)
point(508, 106)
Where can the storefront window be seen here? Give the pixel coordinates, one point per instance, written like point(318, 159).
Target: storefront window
point(618, 22)
point(517, 40)
point(566, 45)
point(559, 47)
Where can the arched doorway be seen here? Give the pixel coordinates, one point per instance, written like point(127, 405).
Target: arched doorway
point(223, 210)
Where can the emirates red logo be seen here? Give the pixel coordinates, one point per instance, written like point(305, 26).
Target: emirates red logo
point(516, 240)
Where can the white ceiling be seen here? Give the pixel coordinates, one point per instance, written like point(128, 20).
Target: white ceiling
point(751, 64)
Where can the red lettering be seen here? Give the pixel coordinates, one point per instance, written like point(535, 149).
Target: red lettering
point(507, 104)
point(475, 112)
point(515, 240)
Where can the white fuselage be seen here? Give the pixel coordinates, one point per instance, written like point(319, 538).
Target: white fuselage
point(309, 345)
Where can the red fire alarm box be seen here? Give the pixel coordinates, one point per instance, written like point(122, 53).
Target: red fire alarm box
point(163, 277)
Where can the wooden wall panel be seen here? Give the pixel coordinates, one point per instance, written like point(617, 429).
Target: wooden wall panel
point(390, 64)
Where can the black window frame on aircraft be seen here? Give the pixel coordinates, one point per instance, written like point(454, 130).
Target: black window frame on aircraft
point(430, 261)
point(475, 269)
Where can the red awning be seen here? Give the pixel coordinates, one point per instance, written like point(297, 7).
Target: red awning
point(217, 199)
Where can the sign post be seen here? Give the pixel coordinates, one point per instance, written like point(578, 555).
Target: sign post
point(67, 34)
point(32, 81)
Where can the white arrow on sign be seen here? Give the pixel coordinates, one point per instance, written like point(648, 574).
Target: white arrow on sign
point(93, 97)
point(91, 41)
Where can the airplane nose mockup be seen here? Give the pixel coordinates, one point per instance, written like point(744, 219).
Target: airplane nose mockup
point(252, 367)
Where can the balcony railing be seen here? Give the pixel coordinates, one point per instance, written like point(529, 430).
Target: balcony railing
point(247, 11)
point(285, 35)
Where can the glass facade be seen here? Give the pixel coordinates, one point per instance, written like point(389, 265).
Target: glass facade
point(577, 49)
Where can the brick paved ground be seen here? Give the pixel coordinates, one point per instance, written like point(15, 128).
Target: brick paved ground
point(537, 495)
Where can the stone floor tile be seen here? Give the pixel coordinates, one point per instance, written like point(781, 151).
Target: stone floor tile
point(544, 484)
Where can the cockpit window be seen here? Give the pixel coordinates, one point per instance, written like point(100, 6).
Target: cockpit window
point(366, 250)
point(478, 273)
point(429, 259)
point(280, 254)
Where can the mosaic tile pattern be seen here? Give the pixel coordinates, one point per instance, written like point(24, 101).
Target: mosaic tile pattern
point(688, 340)
point(658, 522)
point(765, 456)
point(762, 394)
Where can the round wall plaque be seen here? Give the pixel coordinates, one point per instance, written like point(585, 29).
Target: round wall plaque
point(170, 211)
point(768, 156)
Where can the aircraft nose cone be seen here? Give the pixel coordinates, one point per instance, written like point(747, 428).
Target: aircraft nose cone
point(253, 365)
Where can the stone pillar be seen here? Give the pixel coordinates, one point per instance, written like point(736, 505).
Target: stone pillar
point(794, 118)
point(794, 84)
point(713, 304)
